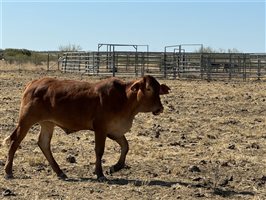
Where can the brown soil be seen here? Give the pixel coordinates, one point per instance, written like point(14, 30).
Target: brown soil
point(210, 143)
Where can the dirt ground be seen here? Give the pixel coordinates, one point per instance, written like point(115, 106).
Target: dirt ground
point(210, 143)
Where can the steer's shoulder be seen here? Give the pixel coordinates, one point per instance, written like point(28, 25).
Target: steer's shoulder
point(110, 85)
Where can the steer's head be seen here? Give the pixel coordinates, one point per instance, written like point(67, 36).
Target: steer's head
point(148, 91)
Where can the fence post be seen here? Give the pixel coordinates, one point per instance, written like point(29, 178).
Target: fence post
point(201, 66)
point(136, 64)
point(147, 61)
point(142, 64)
point(175, 68)
point(259, 68)
point(209, 69)
point(97, 63)
point(114, 62)
point(65, 63)
point(127, 62)
point(79, 58)
point(230, 66)
point(245, 68)
point(164, 63)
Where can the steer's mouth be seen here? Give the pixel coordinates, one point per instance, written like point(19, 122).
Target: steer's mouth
point(157, 112)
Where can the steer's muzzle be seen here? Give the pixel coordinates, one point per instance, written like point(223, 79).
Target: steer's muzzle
point(158, 111)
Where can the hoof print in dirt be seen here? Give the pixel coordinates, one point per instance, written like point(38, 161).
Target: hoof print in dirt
point(71, 159)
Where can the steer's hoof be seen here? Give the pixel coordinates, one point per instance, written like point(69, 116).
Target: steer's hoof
point(116, 168)
point(62, 176)
point(9, 176)
point(102, 179)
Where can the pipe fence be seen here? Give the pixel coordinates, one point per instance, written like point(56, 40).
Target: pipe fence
point(168, 65)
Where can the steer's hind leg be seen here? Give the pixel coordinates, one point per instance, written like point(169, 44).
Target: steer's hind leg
point(122, 141)
point(14, 141)
point(44, 142)
point(99, 150)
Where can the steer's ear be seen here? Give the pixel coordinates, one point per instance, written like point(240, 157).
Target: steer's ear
point(164, 89)
point(135, 86)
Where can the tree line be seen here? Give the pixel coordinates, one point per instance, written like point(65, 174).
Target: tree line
point(27, 56)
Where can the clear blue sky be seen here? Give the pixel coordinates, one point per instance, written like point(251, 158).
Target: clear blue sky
point(47, 24)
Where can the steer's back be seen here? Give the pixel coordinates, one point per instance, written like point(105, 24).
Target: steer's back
point(72, 105)
point(69, 104)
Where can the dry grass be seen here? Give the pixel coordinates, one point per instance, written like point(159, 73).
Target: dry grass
point(208, 144)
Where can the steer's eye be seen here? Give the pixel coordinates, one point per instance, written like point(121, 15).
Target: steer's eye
point(148, 89)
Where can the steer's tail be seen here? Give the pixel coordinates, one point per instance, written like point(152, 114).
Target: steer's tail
point(7, 140)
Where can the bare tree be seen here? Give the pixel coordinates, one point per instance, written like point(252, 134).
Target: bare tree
point(220, 50)
point(70, 47)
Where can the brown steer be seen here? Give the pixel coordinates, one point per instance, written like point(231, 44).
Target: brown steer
point(107, 108)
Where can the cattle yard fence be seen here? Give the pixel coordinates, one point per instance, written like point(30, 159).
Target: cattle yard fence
point(168, 65)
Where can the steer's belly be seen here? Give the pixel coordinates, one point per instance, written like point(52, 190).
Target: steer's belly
point(72, 125)
point(119, 127)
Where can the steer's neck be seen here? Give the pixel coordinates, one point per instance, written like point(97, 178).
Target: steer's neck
point(132, 105)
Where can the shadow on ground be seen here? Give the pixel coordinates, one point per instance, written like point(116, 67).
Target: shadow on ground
point(223, 192)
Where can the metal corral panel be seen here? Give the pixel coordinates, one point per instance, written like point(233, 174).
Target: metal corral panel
point(210, 66)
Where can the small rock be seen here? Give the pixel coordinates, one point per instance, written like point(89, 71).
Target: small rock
point(224, 183)
point(263, 178)
point(203, 162)
point(63, 150)
point(2, 163)
point(232, 146)
point(260, 181)
point(40, 168)
point(183, 137)
point(174, 144)
point(258, 120)
point(255, 146)
point(157, 134)
point(225, 164)
point(197, 179)
point(71, 159)
point(194, 168)
point(7, 193)
point(198, 194)
point(211, 137)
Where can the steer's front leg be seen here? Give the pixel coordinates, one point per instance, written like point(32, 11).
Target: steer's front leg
point(100, 139)
point(122, 141)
